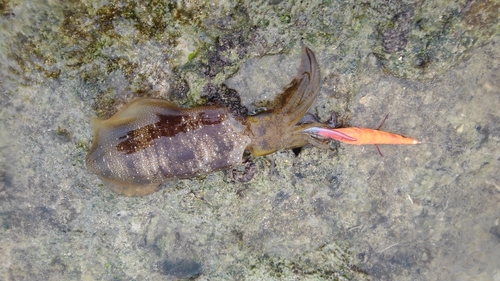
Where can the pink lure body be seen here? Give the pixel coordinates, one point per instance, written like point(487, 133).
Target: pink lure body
point(360, 136)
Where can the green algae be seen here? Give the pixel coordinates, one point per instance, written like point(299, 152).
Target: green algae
point(327, 262)
point(192, 55)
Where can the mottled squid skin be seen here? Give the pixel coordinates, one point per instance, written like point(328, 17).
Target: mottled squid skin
point(151, 141)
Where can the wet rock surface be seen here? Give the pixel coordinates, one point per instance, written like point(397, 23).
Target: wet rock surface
point(426, 212)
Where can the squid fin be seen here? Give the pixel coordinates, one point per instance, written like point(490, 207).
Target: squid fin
point(131, 189)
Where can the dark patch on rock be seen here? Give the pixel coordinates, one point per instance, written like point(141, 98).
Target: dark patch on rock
point(280, 197)
point(335, 191)
point(33, 220)
point(179, 89)
point(296, 151)
point(241, 192)
point(181, 268)
point(222, 95)
point(4, 6)
point(57, 264)
point(495, 230)
point(185, 15)
point(481, 14)
point(485, 134)
point(422, 61)
point(245, 172)
point(238, 235)
point(489, 129)
point(28, 262)
point(394, 38)
point(398, 259)
point(218, 59)
point(320, 206)
point(105, 106)
point(29, 57)
point(76, 24)
point(84, 30)
point(63, 134)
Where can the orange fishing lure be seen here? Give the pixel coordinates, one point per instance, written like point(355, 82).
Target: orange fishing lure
point(360, 136)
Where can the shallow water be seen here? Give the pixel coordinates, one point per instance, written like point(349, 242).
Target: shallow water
point(423, 212)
